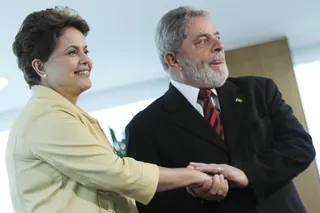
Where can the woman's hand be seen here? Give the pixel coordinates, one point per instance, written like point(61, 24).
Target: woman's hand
point(216, 189)
point(182, 177)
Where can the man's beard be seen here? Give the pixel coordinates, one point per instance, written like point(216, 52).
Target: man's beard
point(203, 75)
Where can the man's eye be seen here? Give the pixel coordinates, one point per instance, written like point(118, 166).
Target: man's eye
point(203, 41)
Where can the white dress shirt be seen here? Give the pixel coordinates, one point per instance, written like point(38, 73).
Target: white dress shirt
point(192, 93)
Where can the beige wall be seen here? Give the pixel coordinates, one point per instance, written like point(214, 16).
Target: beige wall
point(273, 60)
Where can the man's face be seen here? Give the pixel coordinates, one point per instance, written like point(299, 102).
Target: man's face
point(202, 57)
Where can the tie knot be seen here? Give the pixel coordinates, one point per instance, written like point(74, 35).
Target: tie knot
point(205, 93)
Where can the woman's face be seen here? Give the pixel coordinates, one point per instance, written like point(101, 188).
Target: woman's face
point(68, 69)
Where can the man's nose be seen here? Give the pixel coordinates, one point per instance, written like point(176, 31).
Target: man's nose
point(217, 46)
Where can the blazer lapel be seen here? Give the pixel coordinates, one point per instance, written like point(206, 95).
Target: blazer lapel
point(182, 113)
point(232, 104)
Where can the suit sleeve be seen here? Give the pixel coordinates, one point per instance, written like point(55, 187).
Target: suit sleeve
point(292, 150)
point(61, 140)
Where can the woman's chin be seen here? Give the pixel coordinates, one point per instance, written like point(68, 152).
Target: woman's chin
point(85, 86)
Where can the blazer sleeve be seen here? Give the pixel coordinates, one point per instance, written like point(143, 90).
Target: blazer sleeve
point(63, 141)
point(292, 150)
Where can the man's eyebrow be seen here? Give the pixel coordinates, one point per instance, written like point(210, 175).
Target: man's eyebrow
point(206, 35)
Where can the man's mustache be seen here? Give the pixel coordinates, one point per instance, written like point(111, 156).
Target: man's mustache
point(217, 57)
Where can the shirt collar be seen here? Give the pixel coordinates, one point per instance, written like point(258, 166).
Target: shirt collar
point(189, 92)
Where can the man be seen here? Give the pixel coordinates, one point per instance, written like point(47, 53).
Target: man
point(240, 128)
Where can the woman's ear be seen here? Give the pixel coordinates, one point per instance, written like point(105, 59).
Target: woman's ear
point(37, 65)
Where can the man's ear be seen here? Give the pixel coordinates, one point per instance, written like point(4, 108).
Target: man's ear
point(171, 60)
point(37, 65)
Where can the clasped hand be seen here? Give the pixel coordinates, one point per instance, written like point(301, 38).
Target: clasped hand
point(217, 187)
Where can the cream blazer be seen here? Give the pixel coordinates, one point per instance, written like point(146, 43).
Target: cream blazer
point(59, 160)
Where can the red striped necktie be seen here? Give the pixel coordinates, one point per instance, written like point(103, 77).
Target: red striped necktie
point(210, 112)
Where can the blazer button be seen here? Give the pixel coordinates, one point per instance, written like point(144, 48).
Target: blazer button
point(103, 192)
point(234, 164)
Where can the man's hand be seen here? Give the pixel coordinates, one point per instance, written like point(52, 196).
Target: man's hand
point(216, 191)
point(235, 176)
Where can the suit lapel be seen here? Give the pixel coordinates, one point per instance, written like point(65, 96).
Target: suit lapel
point(232, 104)
point(180, 112)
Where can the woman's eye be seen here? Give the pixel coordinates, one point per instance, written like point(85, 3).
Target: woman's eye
point(72, 52)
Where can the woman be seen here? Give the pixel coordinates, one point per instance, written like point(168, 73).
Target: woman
point(58, 158)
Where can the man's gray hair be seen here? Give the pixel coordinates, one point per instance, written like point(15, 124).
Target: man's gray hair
point(172, 29)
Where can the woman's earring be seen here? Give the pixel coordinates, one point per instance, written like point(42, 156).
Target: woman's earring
point(45, 75)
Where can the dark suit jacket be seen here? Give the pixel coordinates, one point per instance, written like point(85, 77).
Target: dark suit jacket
point(262, 137)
